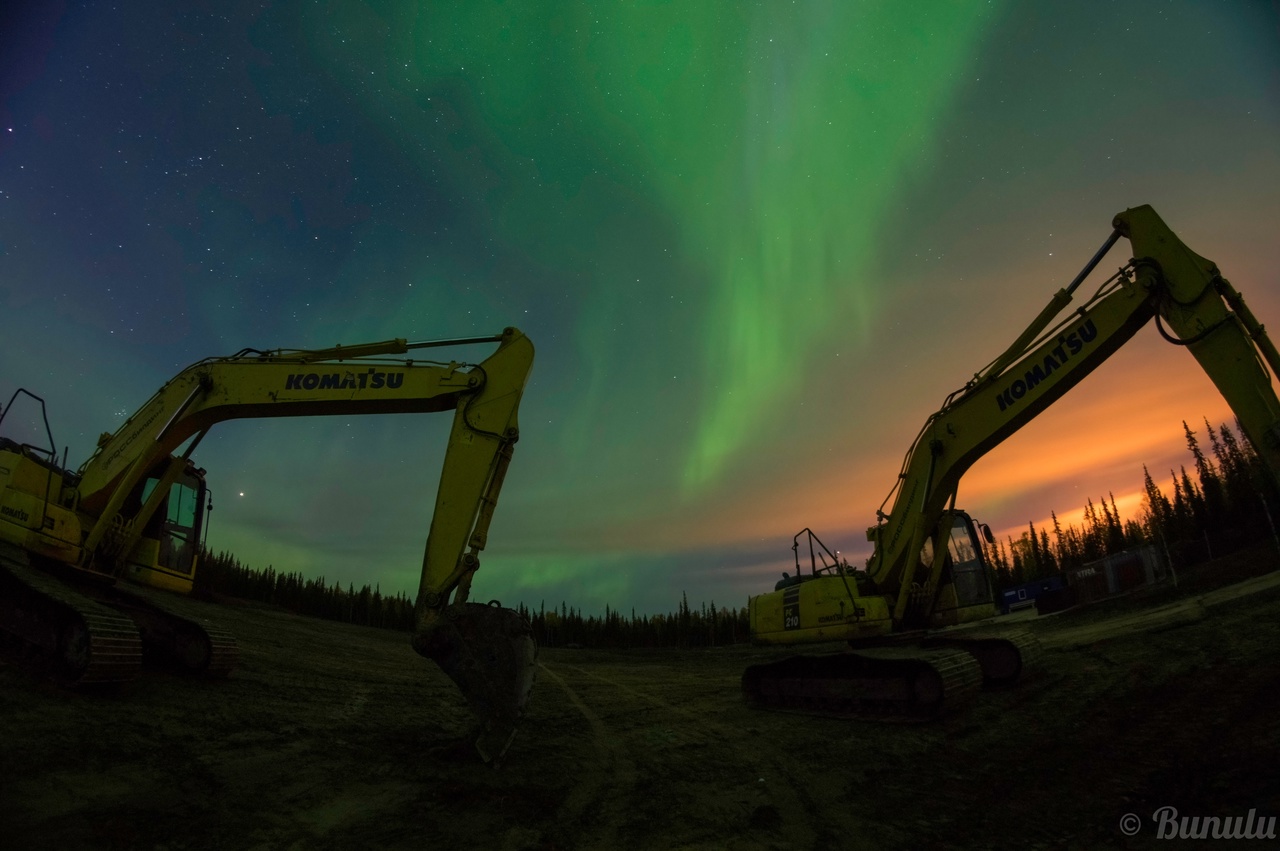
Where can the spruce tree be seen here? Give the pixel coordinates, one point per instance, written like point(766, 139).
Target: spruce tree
point(1049, 566)
point(1214, 502)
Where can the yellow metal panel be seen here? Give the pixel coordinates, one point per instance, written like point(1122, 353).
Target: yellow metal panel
point(28, 476)
point(821, 609)
point(158, 577)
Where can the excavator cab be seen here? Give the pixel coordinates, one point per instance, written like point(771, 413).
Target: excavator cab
point(134, 509)
point(167, 553)
point(965, 590)
point(1165, 281)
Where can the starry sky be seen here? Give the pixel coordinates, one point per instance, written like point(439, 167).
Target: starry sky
point(756, 244)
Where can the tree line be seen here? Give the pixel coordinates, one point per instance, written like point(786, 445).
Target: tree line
point(1224, 506)
point(223, 574)
point(708, 626)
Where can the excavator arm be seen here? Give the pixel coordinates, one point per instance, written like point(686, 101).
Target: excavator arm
point(487, 650)
point(927, 570)
point(1208, 316)
point(1165, 280)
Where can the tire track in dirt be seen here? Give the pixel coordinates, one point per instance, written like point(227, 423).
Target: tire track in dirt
point(355, 703)
point(795, 810)
point(603, 786)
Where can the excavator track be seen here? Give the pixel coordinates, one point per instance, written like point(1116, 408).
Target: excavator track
point(53, 630)
point(102, 633)
point(1005, 659)
point(878, 683)
point(174, 635)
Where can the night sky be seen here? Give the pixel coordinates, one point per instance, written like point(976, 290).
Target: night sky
point(755, 245)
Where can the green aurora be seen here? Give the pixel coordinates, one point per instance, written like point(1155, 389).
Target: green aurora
point(755, 245)
point(767, 139)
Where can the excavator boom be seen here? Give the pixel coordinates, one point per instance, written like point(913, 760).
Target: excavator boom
point(100, 516)
point(1165, 281)
point(927, 570)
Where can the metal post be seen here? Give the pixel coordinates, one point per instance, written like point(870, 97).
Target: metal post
point(1266, 512)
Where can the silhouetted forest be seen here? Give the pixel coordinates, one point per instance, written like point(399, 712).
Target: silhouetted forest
point(1227, 503)
point(223, 574)
point(709, 625)
point(1224, 506)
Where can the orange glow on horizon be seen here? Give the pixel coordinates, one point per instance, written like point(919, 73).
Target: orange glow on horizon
point(1095, 442)
point(1129, 505)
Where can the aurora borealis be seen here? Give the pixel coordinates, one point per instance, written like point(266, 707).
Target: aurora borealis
point(755, 245)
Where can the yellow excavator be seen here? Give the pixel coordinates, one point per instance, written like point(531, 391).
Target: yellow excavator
point(906, 616)
point(133, 512)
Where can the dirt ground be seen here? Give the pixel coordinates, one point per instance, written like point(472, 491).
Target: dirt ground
point(331, 736)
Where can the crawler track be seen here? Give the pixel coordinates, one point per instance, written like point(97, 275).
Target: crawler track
point(51, 629)
point(174, 635)
point(101, 634)
point(884, 683)
point(896, 680)
point(1005, 659)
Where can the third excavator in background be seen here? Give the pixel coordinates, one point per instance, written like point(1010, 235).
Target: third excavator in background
point(905, 617)
point(133, 512)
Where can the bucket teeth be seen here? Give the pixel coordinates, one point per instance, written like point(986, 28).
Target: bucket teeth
point(489, 652)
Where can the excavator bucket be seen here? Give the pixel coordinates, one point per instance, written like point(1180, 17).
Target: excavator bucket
point(490, 653)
